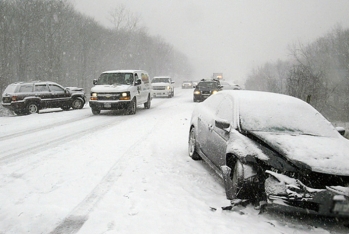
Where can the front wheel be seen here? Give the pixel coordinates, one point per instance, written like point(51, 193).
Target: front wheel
point(32, 108)
point(77, 103)
point(96, 111)
point(132, 108)
point(192, 145)
point(148, 103)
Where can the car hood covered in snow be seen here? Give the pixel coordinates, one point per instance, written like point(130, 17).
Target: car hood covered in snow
point(111, 88)
point(329, 155)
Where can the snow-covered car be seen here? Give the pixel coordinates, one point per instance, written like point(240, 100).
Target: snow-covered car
point(32, 96)
point(163, 86)
point(120, 90)
point(272, 149)
point(227, 86)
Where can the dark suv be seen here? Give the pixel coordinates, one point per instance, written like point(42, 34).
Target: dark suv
point(206, 88)
point(30, 97)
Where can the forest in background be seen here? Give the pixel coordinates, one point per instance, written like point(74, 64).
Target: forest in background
point(317, 73)
point(50, 40)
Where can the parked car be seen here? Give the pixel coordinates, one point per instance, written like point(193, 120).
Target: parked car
point(205, 88)
point(163, 86)
point(274, 149)
point(228, 86)
point(187, 84)
point(30, 97)
point(121, 90)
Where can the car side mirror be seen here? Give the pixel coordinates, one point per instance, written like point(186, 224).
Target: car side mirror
point(172, 82)
point(94, 81)
point(341, 130)
point(222, 124)
point(138, 82)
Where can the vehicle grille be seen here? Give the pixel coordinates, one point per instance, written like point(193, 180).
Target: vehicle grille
point(108, 96)
point(206, 92)
point(320, 180)
point(159, 87)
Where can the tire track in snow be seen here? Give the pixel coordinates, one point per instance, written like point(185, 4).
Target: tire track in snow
point(79, 215)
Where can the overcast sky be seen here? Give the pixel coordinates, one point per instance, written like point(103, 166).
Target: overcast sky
point(229, 36)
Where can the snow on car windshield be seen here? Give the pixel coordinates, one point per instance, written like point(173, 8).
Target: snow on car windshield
point(280, 113)
point(115, 78)
point(160, 80)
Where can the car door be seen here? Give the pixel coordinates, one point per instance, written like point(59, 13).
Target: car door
point(42, 91)
point(60, 97)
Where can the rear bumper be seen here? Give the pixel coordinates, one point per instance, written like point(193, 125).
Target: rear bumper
point(14, 106)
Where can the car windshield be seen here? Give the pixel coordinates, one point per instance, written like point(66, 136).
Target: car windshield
point(115, 79)
point(160, 80)
point(283, 115)
point(211, 85)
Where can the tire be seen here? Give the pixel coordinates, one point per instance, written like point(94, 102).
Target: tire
point(96, 111)
point(132, 108)
point(32, 108)
point(77, 103)
point(192, 145)
point(148, 103)
point(240, 189)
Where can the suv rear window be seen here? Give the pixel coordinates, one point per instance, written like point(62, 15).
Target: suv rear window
point(10, 89)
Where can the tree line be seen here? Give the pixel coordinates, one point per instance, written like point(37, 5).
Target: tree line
point(317, 73)
point(50, 40)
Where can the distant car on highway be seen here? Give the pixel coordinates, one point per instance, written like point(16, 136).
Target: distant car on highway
point(31, 97)
point(294, 157)
point(163, 86)
point(187, 84)
point(228, 86)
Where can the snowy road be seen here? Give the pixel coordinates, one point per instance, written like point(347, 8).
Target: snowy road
point(72, 172)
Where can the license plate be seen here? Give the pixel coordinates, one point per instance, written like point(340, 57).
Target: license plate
point(107, 105)
point(341, 207)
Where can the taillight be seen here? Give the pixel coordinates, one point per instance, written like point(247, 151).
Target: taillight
point(14, 98)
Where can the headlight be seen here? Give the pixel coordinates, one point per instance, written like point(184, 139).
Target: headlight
point(168, 87)
point(125, 96)
point(196, 92)
point(93, 96)
point(214, 91)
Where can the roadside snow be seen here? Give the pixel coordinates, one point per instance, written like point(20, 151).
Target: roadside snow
point(128, 174)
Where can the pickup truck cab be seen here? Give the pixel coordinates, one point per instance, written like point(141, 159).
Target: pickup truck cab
point(163, 86)
point(121, 89)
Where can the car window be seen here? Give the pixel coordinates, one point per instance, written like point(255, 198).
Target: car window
point(56, 88)
point(145, 78)
point(25, 88)
point(161, 80)
point(225, 109)
point(10, 89)
point(41, 88)
point(211, 85)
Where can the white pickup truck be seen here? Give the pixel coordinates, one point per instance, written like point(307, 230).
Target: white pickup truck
point(163, 86)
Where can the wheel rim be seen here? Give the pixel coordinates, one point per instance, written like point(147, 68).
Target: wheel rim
point(32, 108)
point(192, 142)
point(77, 104)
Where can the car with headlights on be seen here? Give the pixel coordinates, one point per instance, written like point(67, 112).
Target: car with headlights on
point(272, 149)
point(32, 96)
point(205, 88)
point(187, 84)
point(163, 86)
point(120, 90)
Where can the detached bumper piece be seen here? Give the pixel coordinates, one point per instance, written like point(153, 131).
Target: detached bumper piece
point(283, 190)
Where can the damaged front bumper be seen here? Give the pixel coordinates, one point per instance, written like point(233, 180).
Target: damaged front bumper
point(283, 190)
